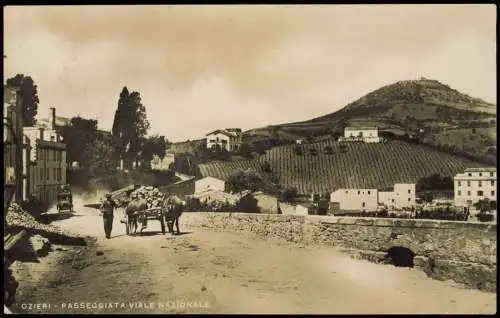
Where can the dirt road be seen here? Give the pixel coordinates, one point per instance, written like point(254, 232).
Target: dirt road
point(206, 272)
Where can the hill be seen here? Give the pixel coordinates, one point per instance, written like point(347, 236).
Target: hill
point(358, 165)
point(443, 118)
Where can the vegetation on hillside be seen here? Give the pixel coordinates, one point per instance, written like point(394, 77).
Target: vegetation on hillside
point(443, 117)
point(347, 165)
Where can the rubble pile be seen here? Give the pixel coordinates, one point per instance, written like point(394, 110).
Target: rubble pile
point(18, 218)
point(153, 196)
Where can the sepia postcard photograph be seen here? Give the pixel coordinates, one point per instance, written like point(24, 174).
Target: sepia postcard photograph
point(250, 159)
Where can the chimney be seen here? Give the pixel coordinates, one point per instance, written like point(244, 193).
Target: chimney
point(41, 133)
point(52, 118)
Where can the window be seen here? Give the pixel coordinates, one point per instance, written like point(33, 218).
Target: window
point(409, 199)
point(479, 193)
point(55, 173)
point(41, 174)
point(346, 191)
point(480, 183)
point(491, 174)
point(470, 174)
point(368, 192)
point(492, 183)
point(359, 192)
point(409, 191)
point(459, 192)
point(492, 193)
point(468, 193)
point(48, 174)
point(480, 174)
point(392, 200)
point(459, 183)
point(468, 183)
point(364, 204)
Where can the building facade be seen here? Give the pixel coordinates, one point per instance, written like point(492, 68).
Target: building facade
point(475, 184)
point(355, 199)
point(364, 134)
point(12, 142)
point(402, 196)
point(46, 168)
point(229, 139)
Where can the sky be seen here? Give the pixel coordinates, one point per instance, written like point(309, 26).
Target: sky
point(200, 68)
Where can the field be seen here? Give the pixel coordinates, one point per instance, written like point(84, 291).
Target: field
point(359, 165)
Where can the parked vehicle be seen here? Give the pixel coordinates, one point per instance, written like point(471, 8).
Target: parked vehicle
point(64, 202)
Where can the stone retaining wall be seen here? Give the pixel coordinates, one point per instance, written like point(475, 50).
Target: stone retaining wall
point(462, 251)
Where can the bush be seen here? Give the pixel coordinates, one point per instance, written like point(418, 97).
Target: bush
point(484, 217)
point(289, 194)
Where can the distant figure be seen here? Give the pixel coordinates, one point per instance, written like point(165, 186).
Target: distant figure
point(107, 209)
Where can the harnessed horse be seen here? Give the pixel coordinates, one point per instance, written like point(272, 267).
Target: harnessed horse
point(131, 209)
point(174, 207)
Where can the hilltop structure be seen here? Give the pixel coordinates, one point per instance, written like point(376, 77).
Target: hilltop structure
point(229, 139)
point(364, 134)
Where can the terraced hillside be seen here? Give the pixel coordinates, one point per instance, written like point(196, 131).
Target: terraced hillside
point(223, 169)
point(358, 165)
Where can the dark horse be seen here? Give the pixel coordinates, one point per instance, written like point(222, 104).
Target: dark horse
point(174, 207)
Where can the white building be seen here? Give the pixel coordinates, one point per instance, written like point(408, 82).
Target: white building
point(475, 184)
point(209, 184)
point(365, 134)
point(304, 208)
point(355, 199)
point(403, 196)
point(229, 139)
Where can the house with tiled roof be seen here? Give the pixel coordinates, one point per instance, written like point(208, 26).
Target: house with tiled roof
point(228, 139)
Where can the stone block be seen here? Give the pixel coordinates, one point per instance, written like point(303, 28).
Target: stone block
point(346, 221)
point(365, 222)
point(383, 222)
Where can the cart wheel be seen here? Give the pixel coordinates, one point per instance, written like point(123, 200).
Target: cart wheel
point(162, 222)
point(127, 228)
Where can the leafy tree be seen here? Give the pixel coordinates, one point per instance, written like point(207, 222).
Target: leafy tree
point(483, 205)
point(29, 95)
point(266, 167)
point(249, 180)
point(79, 137)
point(154, 145)
point(435, 182)
point(289, 194)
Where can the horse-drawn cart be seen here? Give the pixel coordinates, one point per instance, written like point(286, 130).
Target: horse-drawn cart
point(139, 217)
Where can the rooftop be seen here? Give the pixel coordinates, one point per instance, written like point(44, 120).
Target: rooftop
point(485, 169)
point(226, 132)
point(362, 128)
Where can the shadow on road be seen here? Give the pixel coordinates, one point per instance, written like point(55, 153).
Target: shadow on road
point(51, 217)
point(152, 233)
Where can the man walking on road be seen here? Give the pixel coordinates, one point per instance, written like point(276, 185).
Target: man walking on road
point(107, 209)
